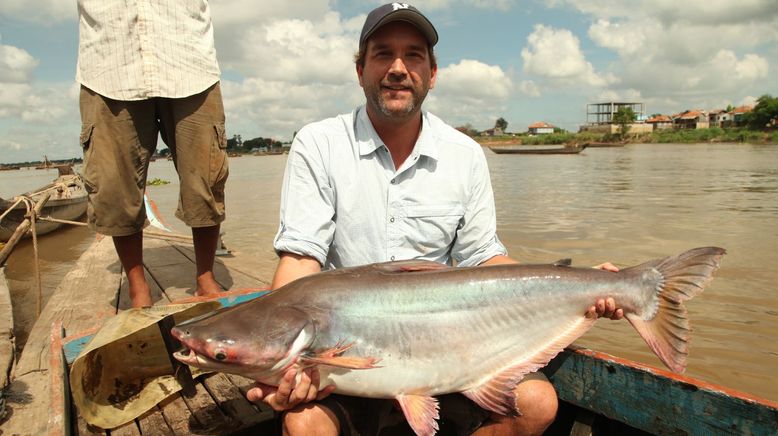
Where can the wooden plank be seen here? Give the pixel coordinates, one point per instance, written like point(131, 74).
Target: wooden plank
point(157, 296)
point(7, 338)
point(153, 423)
point(207, 413)
point(60, 407)
point(86, 296)
point(177, 415)
point(655, 400)
point(229, 272)
point(173, 271)
point(128, 429)
point(233, 402)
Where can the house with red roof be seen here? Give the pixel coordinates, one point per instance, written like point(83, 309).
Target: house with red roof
point(540, 128)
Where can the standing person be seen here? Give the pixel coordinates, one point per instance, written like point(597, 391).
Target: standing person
point(149, 69)
point(390, 181)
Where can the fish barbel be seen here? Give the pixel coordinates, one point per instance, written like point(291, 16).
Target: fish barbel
point(411, 330)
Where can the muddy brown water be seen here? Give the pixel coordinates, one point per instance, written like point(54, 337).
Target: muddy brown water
point(624, 205)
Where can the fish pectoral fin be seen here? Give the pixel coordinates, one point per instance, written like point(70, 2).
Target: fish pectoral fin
point(563, 262)
point(332, 357)
point(421, 413)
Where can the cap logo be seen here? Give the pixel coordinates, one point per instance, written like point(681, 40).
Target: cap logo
point(398, 6)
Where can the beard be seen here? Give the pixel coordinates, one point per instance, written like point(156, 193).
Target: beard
point(375, 97)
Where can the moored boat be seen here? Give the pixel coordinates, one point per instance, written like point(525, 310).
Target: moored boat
point(538, 150)
point(68, 201)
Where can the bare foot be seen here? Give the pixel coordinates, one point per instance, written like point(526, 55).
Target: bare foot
point(207, 286)
point(140, 295)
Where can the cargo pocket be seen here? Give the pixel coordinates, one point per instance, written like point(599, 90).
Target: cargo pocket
point(219, 168)
point(85, 139)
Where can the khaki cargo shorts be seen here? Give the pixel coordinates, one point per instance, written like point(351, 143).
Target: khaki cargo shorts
point(118, 140)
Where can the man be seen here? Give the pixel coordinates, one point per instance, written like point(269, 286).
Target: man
point(389, 182)
point(147, 70)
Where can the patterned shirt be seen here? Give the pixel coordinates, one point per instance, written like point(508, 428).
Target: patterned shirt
point(344, 203)
point(139, 49)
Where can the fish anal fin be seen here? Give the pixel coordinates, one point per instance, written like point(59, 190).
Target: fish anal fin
point(497, 394)
point(333, 357)
point(421, 412)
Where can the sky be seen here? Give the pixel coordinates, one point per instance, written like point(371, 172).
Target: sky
point(286, 64)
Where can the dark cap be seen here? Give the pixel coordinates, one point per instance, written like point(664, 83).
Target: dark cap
point(391, 12)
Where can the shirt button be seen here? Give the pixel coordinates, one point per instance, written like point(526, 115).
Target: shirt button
point(391, 220)
point(394, 181)
point(392, 258)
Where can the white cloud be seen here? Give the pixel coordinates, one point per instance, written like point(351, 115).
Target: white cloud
point(470, 92)
point(16, 65)
point(556, 54)
point(38, 11)
point(529, 88)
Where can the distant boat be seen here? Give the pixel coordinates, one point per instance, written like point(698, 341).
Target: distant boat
point(538, 150)
point(68, 201)
point(606, 144)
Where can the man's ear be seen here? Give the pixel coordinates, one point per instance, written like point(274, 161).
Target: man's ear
point(434, 76)
point(359, 74)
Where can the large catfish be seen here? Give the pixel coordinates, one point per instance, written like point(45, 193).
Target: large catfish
point(411, 330)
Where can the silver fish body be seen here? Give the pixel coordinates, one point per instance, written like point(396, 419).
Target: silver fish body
point(418, 329)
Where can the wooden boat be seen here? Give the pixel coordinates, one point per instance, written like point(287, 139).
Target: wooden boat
point(594, 144)
point(68, 201)
point(538, 150)
point(7, 341)
point(599, 393)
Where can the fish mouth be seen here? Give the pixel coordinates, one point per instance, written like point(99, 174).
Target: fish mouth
point(190, 357)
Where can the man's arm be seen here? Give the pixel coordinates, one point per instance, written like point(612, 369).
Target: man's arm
point(291, 267)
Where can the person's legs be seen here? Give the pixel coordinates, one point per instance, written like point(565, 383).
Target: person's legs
point(310, 419)
point(130, 251)
point(205, 241)
point(193, 129)
point(118, 138)
point(537, 402)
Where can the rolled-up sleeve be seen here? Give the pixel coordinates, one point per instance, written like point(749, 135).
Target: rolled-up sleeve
point(477, 239)
point(307, 202)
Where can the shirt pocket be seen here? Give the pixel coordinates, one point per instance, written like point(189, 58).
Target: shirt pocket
point(432, 227)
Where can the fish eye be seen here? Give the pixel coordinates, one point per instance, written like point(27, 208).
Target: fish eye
point(220, 355)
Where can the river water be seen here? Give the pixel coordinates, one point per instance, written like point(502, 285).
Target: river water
point(624, 205)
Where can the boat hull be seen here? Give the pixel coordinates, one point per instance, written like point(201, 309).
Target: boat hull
point(68, 201)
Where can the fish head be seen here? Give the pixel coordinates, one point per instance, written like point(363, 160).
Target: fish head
point(259, 346)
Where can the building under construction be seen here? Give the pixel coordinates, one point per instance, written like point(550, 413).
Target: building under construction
point(599, 117)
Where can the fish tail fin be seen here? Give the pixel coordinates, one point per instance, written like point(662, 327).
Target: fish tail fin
point(682, 277)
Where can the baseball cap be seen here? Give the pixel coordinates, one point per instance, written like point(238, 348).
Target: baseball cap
point(391, 12)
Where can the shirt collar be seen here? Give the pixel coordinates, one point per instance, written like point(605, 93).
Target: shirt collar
point(369, 141)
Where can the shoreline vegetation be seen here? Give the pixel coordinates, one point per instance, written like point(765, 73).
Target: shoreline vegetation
point(669, 136)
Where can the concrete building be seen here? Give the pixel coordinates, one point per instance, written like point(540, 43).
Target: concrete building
point(540, 128)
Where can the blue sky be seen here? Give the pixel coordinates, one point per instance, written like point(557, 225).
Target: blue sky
point(285, 65)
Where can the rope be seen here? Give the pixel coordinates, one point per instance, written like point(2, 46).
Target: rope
point(29, 204)
point(7, 211)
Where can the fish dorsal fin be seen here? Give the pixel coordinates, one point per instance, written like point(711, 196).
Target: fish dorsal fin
point(413, 265)
point(563, 262)
point(421, 413)
point(497, 394)
point(332, 357)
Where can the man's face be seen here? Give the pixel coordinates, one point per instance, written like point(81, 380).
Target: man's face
point(397, 73)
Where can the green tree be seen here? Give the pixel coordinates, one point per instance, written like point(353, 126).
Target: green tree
point(624, 117)
point(764, 112)
point(501, 124)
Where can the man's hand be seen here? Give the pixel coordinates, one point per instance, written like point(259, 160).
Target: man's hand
point(606, 307)
point(289, 392)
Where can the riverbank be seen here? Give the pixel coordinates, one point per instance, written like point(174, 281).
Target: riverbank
point(669, 136)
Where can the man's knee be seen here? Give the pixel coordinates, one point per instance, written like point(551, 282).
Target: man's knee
point(310, 419)
point(537, 401)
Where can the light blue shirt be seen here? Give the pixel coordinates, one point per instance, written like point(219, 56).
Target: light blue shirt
point(344, 204)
